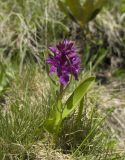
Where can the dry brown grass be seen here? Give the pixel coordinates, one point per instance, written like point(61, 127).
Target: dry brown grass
point(113, 96)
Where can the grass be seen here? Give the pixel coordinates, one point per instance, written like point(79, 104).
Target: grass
point(23, 113)
point(28, 101)
point(27, 28)
point(27, 95)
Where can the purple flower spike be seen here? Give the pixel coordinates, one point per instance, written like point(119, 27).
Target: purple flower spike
point(64, 61)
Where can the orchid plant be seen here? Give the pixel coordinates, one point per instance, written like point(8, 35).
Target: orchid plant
point(65, 62)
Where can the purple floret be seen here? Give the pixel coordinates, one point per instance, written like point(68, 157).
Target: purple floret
point(64, 61)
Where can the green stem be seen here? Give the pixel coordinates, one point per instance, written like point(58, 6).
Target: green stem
point(60, 108)
point(65, 89)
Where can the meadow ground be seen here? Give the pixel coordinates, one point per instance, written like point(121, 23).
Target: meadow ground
point(90, 124)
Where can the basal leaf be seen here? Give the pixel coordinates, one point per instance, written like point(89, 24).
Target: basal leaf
point(73, 101)
point(56, 116)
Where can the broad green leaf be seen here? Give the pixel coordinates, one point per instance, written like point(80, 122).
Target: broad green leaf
point(56, 116)
point(49, 124)
point(64, 9)
point(91, 8)
point(87, 3)
point(87, 8)
point(76, 97)
point(75, 8)
point(81, 14)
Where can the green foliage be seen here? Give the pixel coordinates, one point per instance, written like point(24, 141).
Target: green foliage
point(20, 127)
point(122, 6)
point(21, 120)
point(78, 94)
point(81, 13)
point(94, 60)
point(118, 5)
point(26, 29)
point(31, 100)
point(6, 75)
point(88, 139)
point(62, 111)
